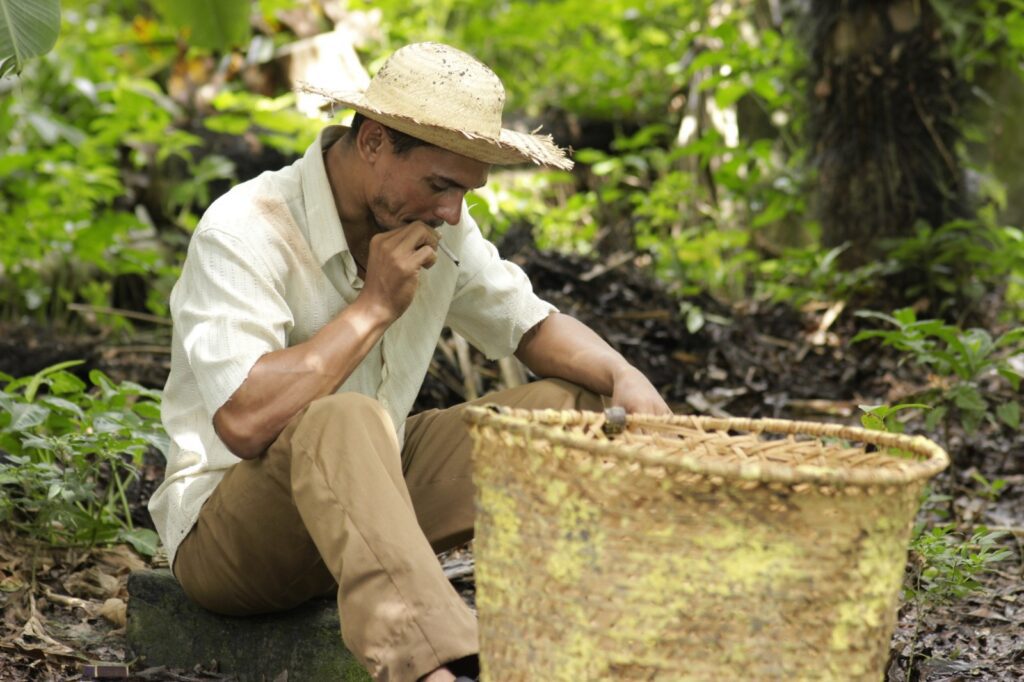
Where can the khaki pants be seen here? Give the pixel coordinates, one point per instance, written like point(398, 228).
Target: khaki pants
point(334, 504)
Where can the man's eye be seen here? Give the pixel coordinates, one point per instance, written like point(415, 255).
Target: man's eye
point(437, 188)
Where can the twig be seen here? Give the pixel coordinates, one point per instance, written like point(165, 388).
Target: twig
point(615, 261)
point(160, 350)
point(512, 372)
point(466, 365)
point(130, 314)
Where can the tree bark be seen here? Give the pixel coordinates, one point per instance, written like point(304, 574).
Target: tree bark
point(884, 108)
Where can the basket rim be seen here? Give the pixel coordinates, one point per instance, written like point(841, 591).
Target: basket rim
point(546, 423)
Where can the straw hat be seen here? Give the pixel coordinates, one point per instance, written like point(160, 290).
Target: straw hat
point(448, 98)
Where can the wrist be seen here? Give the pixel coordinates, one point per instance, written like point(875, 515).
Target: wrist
point(374, 310)
point(623, 374)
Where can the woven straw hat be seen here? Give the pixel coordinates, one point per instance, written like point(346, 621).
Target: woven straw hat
point(448, 98)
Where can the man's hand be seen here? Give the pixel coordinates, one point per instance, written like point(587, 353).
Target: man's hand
point(393, 268)
point(561, 346)
point(632, 391)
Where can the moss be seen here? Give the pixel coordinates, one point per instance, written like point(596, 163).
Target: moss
point(166, 628)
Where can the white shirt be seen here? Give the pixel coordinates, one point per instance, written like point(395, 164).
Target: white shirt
point(266, 269)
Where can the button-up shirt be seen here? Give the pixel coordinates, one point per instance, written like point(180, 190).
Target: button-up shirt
point(267, 267)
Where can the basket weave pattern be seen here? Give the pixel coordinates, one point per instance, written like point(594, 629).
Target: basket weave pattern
point(689, 548)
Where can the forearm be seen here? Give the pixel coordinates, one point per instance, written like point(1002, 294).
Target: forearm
point(283, 382)
point(563, 347)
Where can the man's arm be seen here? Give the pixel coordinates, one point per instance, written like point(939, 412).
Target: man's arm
point(283, 382)
point(563, 347)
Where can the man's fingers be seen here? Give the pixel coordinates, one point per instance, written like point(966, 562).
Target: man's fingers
point(419, 234)
point(425, 256)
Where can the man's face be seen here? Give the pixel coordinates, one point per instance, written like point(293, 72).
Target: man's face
point(425, 183)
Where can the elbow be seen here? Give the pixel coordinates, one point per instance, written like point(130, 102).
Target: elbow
point(238, 436)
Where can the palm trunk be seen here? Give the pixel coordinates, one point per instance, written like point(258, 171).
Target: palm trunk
point(883, 122)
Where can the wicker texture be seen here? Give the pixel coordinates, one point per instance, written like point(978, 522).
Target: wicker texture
point(689, 548)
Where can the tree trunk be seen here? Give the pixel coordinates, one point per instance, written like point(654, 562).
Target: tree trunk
point(883, 122)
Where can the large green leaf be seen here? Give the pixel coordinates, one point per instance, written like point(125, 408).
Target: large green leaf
point(214, 24)
point(28, 28)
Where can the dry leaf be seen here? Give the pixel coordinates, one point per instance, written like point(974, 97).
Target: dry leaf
point(35, 630)
point(122, 559)
point(116, 611)
point(11, 583)
point(92, 582)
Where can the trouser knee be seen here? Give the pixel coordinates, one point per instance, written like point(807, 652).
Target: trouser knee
point(336, 409)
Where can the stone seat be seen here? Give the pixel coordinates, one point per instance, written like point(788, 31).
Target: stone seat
point(166, 629)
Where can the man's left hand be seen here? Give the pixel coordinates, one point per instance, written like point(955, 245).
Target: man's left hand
point(633, 392)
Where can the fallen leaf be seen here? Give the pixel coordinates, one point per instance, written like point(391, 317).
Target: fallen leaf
point(93, 582)
point(989, 614)
point(116, 611)
point(11, 583)
point(34, 637)
point(121, 558)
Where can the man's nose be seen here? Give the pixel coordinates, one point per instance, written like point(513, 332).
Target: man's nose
point(450, 207)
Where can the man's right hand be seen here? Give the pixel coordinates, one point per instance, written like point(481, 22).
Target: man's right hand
point(393, 267)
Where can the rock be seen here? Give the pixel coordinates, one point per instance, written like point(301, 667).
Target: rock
point(166, 629)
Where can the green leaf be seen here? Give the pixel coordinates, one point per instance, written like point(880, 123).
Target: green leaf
point(870, 421)
point(25, 416)
point(37, 379)
point(1009, 413)
point(931, 421)
point(143, 540)
point(62, 405)
point(28, 28)
point(967, 397)
point(147, 409)
point(1013, 377)
point(63, 382)
point(218, 25)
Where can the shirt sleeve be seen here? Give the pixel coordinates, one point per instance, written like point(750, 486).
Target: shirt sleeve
point(229, 311)
point(494, 303)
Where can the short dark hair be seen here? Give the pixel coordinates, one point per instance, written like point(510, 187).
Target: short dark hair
point(400, 141)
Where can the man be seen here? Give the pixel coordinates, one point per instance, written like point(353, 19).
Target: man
point(307, 311)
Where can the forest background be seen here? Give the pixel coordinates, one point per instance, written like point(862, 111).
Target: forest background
point(851, 168)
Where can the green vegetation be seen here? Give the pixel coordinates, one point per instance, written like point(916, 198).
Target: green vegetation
point(71, 455)
point(964, 359)
point(702, 133)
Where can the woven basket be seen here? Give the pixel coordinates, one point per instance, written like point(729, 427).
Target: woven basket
point(689, 548)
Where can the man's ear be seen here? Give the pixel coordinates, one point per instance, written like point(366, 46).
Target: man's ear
point(371, 140)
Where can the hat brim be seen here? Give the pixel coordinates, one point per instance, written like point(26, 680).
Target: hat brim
point(510, 148)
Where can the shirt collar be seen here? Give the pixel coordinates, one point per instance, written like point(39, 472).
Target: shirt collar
point(326, 235)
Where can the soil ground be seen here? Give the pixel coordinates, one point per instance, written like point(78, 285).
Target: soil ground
point(63, 608)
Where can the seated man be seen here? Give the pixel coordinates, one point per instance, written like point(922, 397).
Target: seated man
point(305, 318)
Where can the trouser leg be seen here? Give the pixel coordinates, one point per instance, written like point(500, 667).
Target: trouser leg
point(437, 462)
point(328, 497)
point(334, 502)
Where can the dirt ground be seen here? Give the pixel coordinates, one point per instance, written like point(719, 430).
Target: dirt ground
point(64, 608)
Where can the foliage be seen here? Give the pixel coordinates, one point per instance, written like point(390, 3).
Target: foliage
point(963, 357)
point(68, 456)
point(885, 417)
point(273, 120)
point(945, 567)
point(603, 59)
point(955, 265)
point(985, 34)
point(28, 28)
point(215, 25)
point(84, 119)
point(695, 183)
